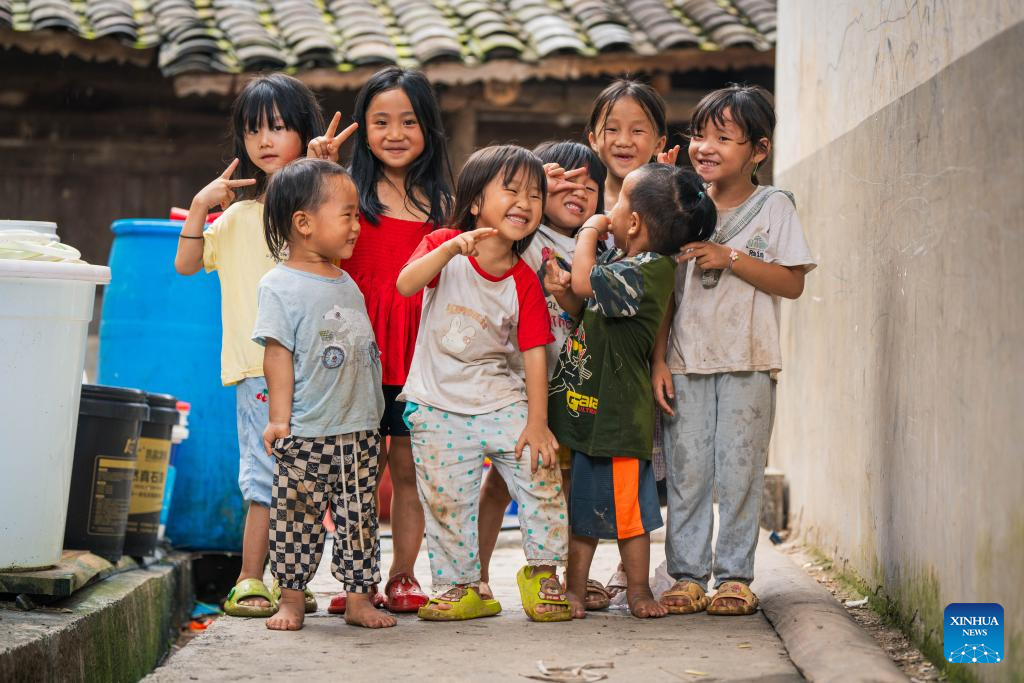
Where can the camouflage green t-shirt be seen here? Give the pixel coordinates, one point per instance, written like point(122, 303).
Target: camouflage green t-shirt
point(599, 399)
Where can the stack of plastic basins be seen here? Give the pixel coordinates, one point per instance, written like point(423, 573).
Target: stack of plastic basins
point(161, 332)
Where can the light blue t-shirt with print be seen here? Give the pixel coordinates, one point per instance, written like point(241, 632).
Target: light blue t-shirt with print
point(323, 322)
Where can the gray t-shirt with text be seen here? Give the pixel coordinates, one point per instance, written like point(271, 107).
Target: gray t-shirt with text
point(323, 322)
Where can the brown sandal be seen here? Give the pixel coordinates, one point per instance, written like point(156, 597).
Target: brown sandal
point(739, 591)
point(617, 583)
point(698, 599)
point(597, 597)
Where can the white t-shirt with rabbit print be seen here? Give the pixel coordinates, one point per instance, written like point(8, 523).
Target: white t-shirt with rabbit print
point(472, 326)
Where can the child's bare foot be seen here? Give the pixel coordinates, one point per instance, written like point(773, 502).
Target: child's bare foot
point(579, 609)
point(643, 605)
point(484, 589)
point(290, 611)
point(359, 611)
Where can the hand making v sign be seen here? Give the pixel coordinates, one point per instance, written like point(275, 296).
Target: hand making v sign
point(222, 189)
point(327, 145)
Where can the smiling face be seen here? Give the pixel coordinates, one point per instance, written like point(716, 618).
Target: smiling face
point(334, 227)
point(514, 209)
point(566, 210)
point(626, 139)
point(392, 130)
point(272, 146)
point(722, 152)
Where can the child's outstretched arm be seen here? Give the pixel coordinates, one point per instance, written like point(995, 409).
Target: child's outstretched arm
point(417, 274)
point(585, 258)
point(536, 435)
point(661, 376)
point(189, 258)
point(279, 371)
point(779, 280)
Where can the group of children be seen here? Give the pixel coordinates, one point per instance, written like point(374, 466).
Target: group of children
point(375, 316)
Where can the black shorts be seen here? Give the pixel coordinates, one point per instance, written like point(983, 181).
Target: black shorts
point(392, 424)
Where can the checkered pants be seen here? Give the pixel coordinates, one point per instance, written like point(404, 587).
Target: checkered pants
point(310, 473)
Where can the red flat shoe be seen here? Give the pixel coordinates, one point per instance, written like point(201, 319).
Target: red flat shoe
point(404, 594)
point(337, 605)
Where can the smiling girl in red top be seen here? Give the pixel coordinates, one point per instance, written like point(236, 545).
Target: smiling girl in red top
point(400, 165)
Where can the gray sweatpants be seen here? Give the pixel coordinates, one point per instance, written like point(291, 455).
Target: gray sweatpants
point(718, 439)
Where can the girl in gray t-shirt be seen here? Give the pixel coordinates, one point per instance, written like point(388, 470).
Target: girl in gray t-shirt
point(714, 375)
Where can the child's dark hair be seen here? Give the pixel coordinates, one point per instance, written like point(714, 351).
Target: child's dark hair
point(481, 168)
point(750, 108)
point(646, 96)
point(299, 186)
point(571, 155)
point(295, 103)
point(428, 182)
point(675, 206)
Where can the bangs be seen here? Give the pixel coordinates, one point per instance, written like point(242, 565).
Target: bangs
point(747, 107)
point(571, 155)
point(522, 159)
point(257, 105)
point(712, 108)
point(646, 97)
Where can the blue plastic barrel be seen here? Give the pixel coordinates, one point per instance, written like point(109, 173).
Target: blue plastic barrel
point(161, 332)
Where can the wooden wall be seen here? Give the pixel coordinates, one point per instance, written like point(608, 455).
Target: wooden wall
point(84, 144)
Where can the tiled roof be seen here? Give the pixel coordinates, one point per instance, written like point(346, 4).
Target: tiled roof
point(233, 36)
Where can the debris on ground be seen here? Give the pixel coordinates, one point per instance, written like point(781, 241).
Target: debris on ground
point(893, 641)
point(572, 674)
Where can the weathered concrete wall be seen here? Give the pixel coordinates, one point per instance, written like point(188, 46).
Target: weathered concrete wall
point(899, 419)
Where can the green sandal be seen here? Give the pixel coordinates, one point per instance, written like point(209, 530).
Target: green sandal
point(309, 598)
point(249, 588)
point(542, 588)
point(464, 603)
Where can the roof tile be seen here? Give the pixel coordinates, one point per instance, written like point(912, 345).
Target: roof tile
point(235, 36)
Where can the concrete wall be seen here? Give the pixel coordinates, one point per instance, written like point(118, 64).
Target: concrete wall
point(901, 412)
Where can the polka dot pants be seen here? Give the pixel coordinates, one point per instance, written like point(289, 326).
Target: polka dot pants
point(449, 450)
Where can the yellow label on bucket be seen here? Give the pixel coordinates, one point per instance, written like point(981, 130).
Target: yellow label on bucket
point(150, 476)
point(110, 486)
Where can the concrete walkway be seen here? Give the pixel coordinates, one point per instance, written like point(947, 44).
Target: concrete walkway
point(502, 648)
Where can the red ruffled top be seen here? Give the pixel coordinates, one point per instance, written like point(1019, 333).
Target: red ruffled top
point(380, 253)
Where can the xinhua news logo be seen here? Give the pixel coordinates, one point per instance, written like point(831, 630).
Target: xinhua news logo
point(973, 633)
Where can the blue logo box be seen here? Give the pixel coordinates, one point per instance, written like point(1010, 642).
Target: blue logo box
point(973, 633)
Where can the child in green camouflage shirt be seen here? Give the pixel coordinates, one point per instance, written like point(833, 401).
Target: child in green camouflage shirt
point(600, 400)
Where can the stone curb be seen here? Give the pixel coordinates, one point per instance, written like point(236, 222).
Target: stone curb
point(115, 630)
point(824, 643)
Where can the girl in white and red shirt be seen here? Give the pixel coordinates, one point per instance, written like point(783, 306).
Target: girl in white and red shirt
point(482, 306)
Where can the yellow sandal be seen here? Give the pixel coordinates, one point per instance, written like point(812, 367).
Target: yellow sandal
point(739, 591)
point(464, 602)
point(686, 589)
point(542, 588)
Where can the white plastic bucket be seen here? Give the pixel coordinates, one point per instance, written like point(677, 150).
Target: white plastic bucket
point(45, 309)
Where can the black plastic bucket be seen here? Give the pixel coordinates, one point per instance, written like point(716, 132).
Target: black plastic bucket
point(109, 421)
point(153, 455)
